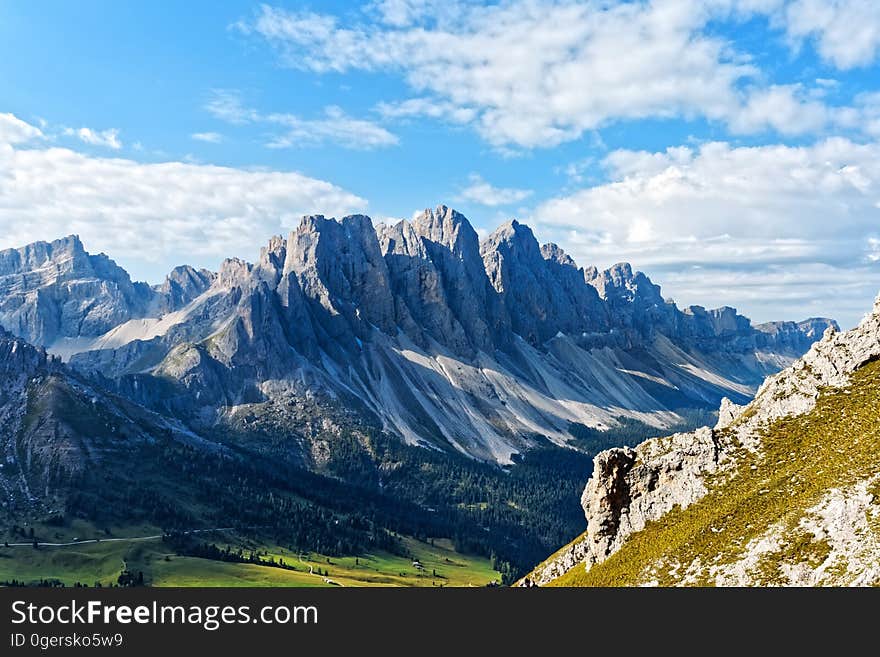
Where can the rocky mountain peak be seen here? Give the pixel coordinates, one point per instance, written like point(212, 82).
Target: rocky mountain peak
point(183, 284)
point(52, 290)
point(438, 278)
point(722, 320)
point(617, 279)
point(512, 237)
point(551, 251)
point(477, 347)
point(814, 328)
point(512, 247)
point(234, 272)
point(340, 267)
point(274, 252)
point(448, 227)
point(272, 260)
point(633, 300)
point(64, 253)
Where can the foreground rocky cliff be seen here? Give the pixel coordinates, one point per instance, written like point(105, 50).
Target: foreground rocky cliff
point(783, 491)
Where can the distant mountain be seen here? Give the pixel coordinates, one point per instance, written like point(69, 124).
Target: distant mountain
point(783, 491)
point(56, 291)
point(416, 329)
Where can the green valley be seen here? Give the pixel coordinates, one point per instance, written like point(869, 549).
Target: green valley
point(153, 562)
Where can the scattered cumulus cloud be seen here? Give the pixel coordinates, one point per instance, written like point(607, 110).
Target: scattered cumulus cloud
point(15, 131)
point(713, 220)
point(151, 217)
point(429, 107)
point(846, 33)
point(873, 249)
point(226, 105)
point(404, 13)
point(785, 109)
point(107, 138)
point(867, 113)
point(481, 192)
point(334, 126)
point(537, 73)
point(208, 137)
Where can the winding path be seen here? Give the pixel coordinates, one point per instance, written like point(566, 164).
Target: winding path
point(132, 539)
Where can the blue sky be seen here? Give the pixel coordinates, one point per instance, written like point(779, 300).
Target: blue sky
point(729, 148)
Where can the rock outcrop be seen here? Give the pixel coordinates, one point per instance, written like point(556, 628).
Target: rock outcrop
point(631, 487)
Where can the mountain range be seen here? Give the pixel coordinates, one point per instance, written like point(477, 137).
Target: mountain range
point(418, 329)
point(356, 383)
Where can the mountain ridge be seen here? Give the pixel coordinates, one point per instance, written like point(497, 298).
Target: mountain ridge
point(436, 337)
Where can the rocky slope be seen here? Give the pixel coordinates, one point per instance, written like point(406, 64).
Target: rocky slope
point(784, 491)
point(417, 329)
point(56, 428)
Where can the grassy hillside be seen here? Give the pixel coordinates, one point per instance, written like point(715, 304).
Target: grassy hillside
point(835, 446)
point(103, 562)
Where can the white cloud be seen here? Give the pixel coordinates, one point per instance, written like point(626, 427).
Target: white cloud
point(151, 217)
point(846, 32)
point(479, 191)
point(787, 109)
point(334, 126)
point(827, 83)
point(402, 13)
point(797, 220)
point(430, 107)
point(226, 105)
point(873, 249)
point(867, 114)
point(107, 138)
point(15, 131)
point(536, 73)
point(209, 137)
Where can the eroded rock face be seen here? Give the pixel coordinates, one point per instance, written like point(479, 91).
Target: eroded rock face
point(340, 266)
point(448, 342)
point(182, 285)
point(50, 290)
point(452, 245)
point(424, 290)
point(544, 296)
point(38, 449)
point(630, 487)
